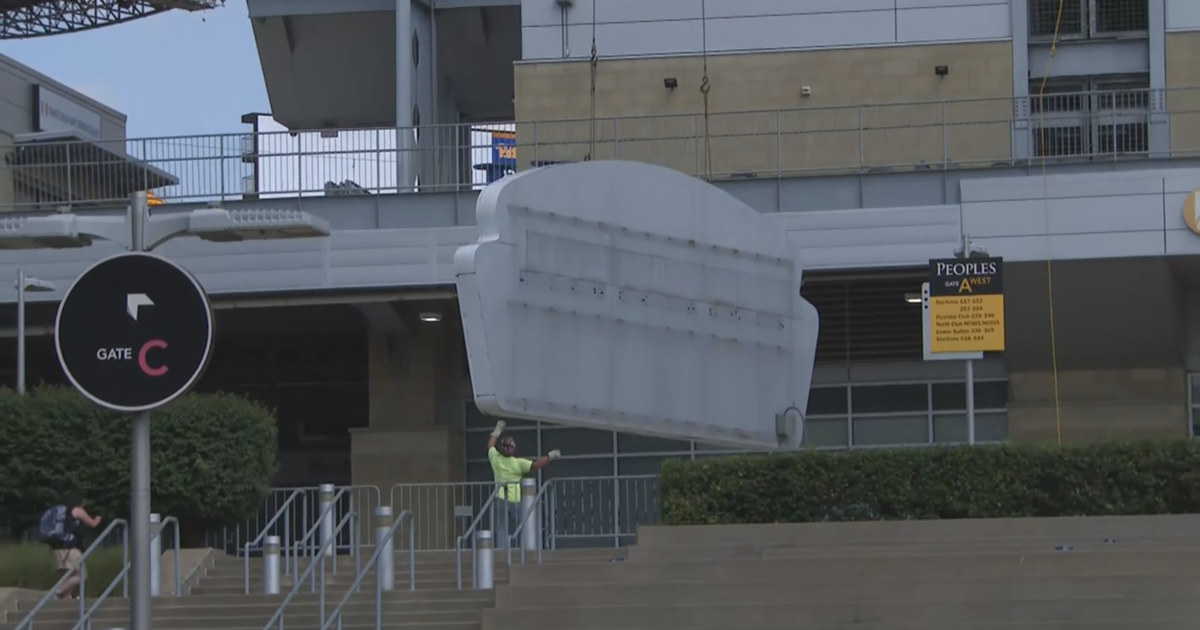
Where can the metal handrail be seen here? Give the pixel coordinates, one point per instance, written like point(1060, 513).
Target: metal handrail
point(380, 545)
point(282, 511)
point(325, 512)
point(513, 538)
point(350, 517)
point(85, 621)
point(27, 622)
point(470, 531)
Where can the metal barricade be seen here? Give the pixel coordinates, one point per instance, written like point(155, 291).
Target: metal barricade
point(600, 511)
point(442, 512)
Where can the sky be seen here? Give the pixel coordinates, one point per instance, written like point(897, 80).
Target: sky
point(184, 74)
point(172, 74)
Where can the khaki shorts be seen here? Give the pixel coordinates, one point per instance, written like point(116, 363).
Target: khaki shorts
point(67, 559)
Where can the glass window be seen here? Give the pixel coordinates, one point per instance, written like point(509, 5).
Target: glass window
point(893, 431)
point(630, 443)
point(526, 443)
point(577, 441)
point(479, 471)
point(598, 467)
point(827, 401)
point(952, 428)
point(1195, 421)
point(953, 396)
point(476, 419)
point(889, 398)
point(825, 432)
point(633, 466)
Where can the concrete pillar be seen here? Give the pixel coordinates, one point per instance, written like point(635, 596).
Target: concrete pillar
point(405, 161)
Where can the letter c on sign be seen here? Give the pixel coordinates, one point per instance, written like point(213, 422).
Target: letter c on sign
point(146, 348)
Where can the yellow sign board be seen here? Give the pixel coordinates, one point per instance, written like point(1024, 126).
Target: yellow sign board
point(966, 305)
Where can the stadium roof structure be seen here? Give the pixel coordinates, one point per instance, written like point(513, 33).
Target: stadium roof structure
point(21, 19)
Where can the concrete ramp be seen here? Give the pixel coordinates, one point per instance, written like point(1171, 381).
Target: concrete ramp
point(627, 296)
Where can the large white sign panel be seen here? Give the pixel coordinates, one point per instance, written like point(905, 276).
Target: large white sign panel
point(55, 112)
point(626, 296)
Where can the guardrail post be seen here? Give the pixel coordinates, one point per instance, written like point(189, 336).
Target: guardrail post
point(271, 565)
point(155, 554)
point(385, 565)
point(483, 560)
point(531, 531)
point(325, 509)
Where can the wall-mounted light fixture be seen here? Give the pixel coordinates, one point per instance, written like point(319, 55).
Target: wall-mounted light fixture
point(912, 298)
point(670, 83)
point(941, 71)
point(430, 317)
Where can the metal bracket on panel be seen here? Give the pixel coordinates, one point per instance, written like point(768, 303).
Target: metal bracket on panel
point(789, 427)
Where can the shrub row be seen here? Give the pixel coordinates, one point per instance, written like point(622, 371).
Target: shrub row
point(32, 567)
point(213, 457)
point(1144, 477)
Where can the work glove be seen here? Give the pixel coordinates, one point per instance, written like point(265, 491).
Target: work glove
point(555, 454)
point(499, 429)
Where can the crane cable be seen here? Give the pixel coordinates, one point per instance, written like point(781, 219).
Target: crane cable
point(705, 87)
point(595, 62)
point(1041, 149)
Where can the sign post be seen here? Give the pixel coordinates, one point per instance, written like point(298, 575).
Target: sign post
point(963, 305)
point(133, 333)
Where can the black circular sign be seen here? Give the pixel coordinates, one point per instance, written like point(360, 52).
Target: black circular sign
point(134, 332)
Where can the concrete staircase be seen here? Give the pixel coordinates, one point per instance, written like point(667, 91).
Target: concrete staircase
point(1114, 573)
point(217, 601)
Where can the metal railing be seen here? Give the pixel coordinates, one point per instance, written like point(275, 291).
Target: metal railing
point(469, 534)
point(1099, 125)
point(310, 574)
point(85, 620)
point(380, 546)
point(256, 544)
point(326, 547)
point(27, 623)
point(441, 511)
point(533, 514)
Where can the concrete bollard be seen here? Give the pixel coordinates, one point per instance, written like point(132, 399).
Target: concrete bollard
point(325, 494)
point(531, 532)
point(156, 535)
point(385, 566)
point(271, 565)
point(484, 556)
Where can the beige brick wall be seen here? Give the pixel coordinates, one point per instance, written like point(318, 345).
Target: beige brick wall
point(788, 132)
point(1183, 96)
point(1096, 405)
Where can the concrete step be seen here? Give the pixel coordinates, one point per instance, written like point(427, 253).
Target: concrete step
point(205, 610)
point(1095, 527)
point(866, 589)
point(879, 567)
point(446, 582)
point(1047, 625)
point(787, 550)
point(344, 580)
point(400, 597)
point(225, 621)
point(834, 613)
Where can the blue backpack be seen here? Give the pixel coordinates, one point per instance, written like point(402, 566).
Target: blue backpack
point(53, 527)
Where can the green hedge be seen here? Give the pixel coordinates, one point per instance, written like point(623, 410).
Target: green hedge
point(213, 457)
point(32, 567)
point(1145, 477)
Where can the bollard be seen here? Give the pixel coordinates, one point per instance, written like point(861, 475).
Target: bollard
point(385, 565)
point(531, 531)
point(482, 567)
point(325, 492)
point(271, 565)
point(155, 554)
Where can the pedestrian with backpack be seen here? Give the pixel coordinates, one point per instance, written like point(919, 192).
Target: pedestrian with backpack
point(64, 527)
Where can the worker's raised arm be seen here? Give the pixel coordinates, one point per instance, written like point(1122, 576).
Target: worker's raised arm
point(542, 462)
point(495, 434)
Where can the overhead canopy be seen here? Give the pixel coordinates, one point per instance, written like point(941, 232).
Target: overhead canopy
point(55, 168)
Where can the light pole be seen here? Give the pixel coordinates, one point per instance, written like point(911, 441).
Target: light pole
point(25, 283)
point(139, 231)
